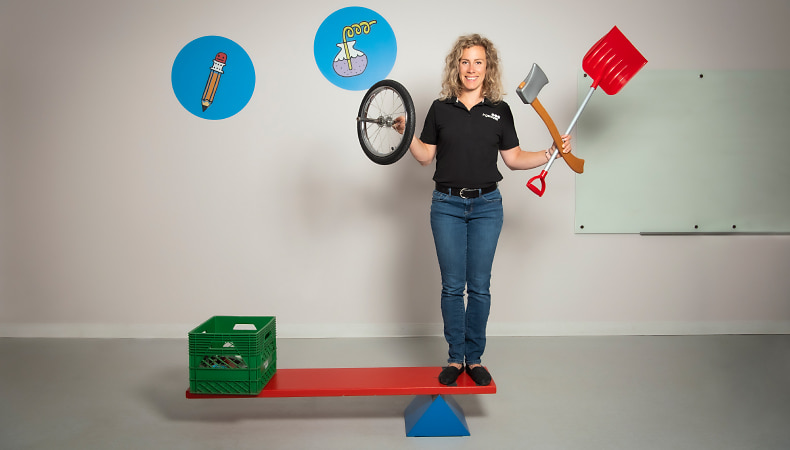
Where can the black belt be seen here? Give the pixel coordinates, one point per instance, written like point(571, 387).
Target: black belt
point(465, 192)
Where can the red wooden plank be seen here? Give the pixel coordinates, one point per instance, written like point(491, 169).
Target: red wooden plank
point(360, 382)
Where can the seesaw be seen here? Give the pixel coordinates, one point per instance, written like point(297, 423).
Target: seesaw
point(432, 413)
point(236, 357)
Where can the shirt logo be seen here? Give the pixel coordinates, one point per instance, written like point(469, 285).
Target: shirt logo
point(492, 116)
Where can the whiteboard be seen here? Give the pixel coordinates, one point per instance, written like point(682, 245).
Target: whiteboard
point(686, 152)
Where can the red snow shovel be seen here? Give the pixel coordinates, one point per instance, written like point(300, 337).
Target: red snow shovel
point(611, 63)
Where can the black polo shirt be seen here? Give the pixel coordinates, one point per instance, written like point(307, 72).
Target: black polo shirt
point(468, 141)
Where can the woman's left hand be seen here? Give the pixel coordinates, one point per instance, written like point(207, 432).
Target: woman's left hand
point(566, 147)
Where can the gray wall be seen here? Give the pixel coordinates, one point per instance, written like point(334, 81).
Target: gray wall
point(124, 215)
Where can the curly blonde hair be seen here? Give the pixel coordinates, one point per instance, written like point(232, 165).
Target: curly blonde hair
point(492, 83)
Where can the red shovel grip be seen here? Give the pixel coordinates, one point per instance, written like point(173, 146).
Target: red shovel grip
point(532, 186)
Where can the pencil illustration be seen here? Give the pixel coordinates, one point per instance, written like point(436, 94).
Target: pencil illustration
point(213, 79)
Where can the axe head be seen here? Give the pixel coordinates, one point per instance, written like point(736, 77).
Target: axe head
point(529, 88)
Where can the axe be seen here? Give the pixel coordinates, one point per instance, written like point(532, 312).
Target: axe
point(528, 92)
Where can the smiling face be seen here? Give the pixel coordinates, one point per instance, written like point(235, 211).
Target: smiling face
point(472, 68)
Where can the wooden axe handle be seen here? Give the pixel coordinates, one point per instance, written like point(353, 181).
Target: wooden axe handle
point(576, 164)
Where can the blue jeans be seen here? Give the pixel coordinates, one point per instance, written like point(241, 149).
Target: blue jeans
point(466, 232)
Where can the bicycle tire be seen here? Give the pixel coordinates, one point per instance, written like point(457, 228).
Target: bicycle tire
point(381, 105)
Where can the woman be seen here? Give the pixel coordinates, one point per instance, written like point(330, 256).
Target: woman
point(464, 130)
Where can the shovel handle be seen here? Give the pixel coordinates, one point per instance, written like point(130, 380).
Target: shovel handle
point(577, 164)
point(532, 183)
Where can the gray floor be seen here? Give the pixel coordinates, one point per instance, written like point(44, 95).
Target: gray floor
point(698, 392)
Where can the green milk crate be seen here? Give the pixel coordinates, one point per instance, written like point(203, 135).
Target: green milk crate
point(232, 355)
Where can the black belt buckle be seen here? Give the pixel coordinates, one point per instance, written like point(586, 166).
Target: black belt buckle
point(474, 193)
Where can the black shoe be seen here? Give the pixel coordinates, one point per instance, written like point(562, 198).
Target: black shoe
point(479, 375)
point(450, 374)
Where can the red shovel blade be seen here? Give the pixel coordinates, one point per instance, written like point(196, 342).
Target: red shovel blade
point(612, 61)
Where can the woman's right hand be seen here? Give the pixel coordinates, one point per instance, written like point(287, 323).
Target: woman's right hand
point(399, 124)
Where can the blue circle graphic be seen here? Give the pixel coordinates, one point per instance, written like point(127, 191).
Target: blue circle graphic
point(355, 48)
point(213, 77)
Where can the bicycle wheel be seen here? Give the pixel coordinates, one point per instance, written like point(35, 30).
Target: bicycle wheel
point(384, 102)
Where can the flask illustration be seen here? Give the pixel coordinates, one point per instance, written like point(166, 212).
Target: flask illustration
point(350, 61)
point(354, 48)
